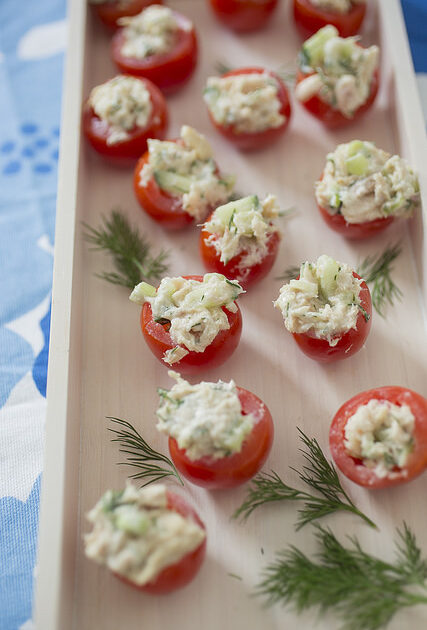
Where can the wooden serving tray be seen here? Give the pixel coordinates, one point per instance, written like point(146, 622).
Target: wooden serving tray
point(99, 364)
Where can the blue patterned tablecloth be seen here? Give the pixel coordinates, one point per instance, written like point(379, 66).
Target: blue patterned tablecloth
point(32, 41)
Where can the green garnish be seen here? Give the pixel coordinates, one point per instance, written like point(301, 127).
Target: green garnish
point(376, 271)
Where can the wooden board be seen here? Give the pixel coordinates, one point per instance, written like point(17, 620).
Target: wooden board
point(100, 366)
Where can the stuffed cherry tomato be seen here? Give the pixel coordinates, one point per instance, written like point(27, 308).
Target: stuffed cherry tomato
point(121, 114)
point(311, 15)
point(126, 538)
point(337, 80)
point(219, 434)
point(240, 239)
point(363, 189)
point(249, 106)
point(111, 11)
point(379, 437)
point(191, 322)
point(177, 182)
point(158, 44)
point(327, 309)
point(244, 15)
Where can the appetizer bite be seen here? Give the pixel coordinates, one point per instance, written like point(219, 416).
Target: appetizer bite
point(327, 309)
point(363, 189)
point(219, 434)
point(121, 114)
point(337, 80)
point(312, 15)
point(110, 11)
point(158, 44)
point(240, 239)
point(191, 322)
point(244, 15)
point(379, 437)
point(249, 106)
point(149, 538)
point(177, 182)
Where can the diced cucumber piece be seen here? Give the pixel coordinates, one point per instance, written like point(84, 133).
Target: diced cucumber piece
point(132, 522)
point(355, 146)
point(224, 213)
point(313, 47)
point(141, 291)
point(172, 182)
point(328, 280)
point(357, 165)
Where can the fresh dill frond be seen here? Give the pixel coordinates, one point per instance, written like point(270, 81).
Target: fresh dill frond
point(363, 590)
point(318, 474)
point(376, 271)
point(130, 251)
point(290, 273)
point(151, 464)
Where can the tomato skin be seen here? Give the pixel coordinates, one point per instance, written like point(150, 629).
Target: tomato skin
point(182, 572)
point(354, 230)
point(127, 151)
point(259, 139)
point(231, 269)
point(222, 347)
point(110, 12)
point(244, 16)
point(170, 70)
point(309, 18)
point(231, 471)
point(333, 118)
point(350, 342)
point(353, 468)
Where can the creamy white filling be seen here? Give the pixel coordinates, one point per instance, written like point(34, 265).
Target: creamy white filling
point(381, 434)
point(205, 419)
point(193, 159)
point(386, 187)
point(248, 230)
point(135, 534)
point(247, 102)
point(324, 302)
point(151, 32)
point(343, 73)
point(123, 103)
point(340, 6)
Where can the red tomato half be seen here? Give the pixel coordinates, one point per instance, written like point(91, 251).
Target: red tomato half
point(349, 343)
point(244, 15)
point(170, 70)
point(355, 230)
point(222, 347)
point(179, 574)
point(250, 275)
point(109, 12)
point(259, 139)
point(238, 468)
point(309, 18)
point(129, 150)
point(353, 468)
point(331, 117)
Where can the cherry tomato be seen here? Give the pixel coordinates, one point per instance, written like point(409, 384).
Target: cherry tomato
point(222, 347)
point(246, 277)
point(309, 18)
point(349, 342)
point(110, 12)
point(244, 15)
point(331, 117)
point(232, 470)
point(128, 150)
point(179, 574)
point(354, 230)
point(354, 468)
point(258, 139)
point(170, 70)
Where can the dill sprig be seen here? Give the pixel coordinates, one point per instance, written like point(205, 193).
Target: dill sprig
point(130, 251)
point(364, 590)
point(152, 465)
point(285, 72)
point(290, 273)
point(318, 474)
point(376, 271)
